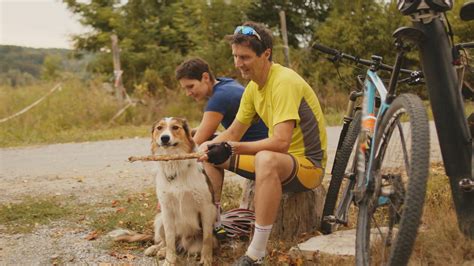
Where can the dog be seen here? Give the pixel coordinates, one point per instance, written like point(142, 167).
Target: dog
point(185, 195)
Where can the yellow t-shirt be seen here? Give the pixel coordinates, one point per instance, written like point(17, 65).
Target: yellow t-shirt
point(286, 96)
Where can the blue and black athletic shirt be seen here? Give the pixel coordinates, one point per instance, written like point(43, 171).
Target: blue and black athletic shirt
point(225, 99)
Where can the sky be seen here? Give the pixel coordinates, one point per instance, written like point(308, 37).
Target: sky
point(37, 23)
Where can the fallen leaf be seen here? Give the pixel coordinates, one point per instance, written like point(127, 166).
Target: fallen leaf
point(92, 235)
point(284, 258)
point(129, 256)
point(120, 210)
point(298, 262)
point(115, 203)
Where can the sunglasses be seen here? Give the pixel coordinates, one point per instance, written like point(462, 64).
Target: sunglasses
point(246, 30)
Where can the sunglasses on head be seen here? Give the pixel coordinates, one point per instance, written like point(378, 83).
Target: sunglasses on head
point(247, 30)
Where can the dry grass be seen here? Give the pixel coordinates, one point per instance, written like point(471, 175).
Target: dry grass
point(82, 112)
point(439, 241)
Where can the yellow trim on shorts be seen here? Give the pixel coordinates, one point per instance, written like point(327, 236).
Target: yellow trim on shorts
point(307, 174)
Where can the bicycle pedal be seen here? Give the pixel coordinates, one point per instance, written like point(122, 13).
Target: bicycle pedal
point(331, 219)
point(467, 185)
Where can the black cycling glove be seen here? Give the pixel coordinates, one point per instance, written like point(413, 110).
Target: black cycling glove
point(218, 153)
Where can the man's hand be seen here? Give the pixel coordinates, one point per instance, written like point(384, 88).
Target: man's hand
point(203, 148)
point(218, 153)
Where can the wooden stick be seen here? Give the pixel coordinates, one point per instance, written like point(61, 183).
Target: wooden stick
point(194, 155)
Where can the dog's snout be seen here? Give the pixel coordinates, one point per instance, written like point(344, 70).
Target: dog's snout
point(165, 138)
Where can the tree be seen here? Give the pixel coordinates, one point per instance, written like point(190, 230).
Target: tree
point(51, 67)
point(155, 36)
point(301, 16)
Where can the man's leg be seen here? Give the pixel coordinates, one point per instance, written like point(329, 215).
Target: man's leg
point(271, 170)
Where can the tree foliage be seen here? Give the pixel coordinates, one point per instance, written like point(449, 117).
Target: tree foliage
point(301, 16)
point(156, 35)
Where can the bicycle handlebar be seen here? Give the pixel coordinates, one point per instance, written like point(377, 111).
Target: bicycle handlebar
point(357, 60)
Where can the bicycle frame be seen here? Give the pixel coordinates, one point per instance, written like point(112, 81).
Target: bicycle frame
point(373, 85)
point(448, 111)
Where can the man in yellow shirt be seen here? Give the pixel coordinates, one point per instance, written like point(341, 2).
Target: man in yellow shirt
point(293, 157)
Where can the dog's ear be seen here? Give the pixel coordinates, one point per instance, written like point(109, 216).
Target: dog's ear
point(187, 130)
point(154, 145)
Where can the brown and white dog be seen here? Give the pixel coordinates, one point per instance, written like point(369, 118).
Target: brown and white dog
point(187, 209)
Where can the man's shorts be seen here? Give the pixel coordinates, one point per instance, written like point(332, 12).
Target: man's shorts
point(304, 176)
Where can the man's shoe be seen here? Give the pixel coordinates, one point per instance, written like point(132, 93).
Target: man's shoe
point(247, 261)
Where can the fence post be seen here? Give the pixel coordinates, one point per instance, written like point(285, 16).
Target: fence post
point(120, 92)
point(284, 34)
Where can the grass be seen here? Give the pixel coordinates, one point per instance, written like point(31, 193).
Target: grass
point(439, 241)
point(82, 112)
point(24, 217)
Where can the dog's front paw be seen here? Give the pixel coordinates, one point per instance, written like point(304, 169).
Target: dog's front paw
point(167, 263)
point(206, 261)
point(151, 251)
point(161, 253)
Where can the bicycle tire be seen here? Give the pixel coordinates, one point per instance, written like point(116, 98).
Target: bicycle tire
point(404, 205)
point(339, 172)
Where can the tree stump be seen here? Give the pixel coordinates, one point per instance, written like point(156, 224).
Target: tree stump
point(298, 212)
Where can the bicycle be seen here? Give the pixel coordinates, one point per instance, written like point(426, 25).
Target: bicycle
point(388, 190)
point(437, 55)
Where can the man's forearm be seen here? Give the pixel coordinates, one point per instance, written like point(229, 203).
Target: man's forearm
point(268, 144)
point(225, 136)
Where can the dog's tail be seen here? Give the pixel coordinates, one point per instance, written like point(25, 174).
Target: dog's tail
point(129, 236)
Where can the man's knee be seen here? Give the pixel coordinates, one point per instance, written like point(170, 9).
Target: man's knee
point(266, 160)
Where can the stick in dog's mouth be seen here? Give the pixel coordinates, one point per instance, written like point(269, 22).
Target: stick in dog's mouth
point(194, 155)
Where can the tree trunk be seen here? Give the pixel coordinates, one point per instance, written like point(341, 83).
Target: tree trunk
point(298, 213)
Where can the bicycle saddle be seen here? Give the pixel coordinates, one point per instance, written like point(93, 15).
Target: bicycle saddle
point(467, 11)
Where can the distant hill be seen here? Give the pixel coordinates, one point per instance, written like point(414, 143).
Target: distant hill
point(21, 65)
point(27, 59)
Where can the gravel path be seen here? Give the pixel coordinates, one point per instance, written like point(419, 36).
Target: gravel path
point(90, 171)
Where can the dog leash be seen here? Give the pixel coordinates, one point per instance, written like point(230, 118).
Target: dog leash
point(194, 155)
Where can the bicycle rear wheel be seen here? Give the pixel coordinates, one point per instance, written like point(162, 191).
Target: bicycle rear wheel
point(343, 175)
point(390, 212)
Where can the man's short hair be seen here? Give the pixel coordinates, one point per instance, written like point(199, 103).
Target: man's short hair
point(193, 69)
point(253, 42)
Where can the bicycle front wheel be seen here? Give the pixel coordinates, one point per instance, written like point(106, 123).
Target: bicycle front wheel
point(390, 213)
